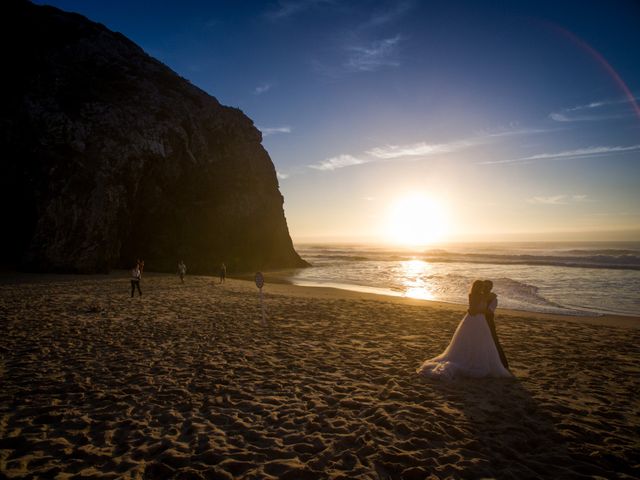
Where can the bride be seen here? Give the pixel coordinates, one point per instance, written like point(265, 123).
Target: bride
point(472, 351)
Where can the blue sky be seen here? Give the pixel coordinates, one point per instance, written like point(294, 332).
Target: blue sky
point(519, 119)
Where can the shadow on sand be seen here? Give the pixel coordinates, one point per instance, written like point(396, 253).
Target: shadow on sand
point(511, 433)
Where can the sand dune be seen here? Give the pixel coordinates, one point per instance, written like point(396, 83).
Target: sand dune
point(186, 382)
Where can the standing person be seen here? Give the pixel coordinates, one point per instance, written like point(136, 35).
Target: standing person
point(136, 275)
point(471, 352)
point(492, 304)
point(223, 272)
point(182, 270)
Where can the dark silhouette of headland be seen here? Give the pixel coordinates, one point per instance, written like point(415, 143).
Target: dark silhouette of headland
point(109, 156)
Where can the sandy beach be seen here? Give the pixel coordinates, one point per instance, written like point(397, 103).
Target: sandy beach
point(187, 382)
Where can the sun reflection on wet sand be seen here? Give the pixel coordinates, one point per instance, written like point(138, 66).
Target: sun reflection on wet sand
point(415, 282)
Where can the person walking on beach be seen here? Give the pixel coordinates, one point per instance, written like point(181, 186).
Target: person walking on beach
point(136, 275)
point(472, 351)
point(223, 272)
point(490, 313)
point(182, 270)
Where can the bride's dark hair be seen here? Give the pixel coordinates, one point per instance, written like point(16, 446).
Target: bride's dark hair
point(476, 287)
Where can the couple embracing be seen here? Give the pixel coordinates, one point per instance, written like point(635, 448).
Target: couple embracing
point(474, 350)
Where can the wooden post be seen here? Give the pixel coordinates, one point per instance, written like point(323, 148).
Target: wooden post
point(260, 284)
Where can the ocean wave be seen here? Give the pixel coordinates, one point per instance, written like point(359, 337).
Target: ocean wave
point(623, 262)
point(520, 275)
point(523, 293)
point(609, 259)
point(336, 256)
point(609, 251)
point(512, 293)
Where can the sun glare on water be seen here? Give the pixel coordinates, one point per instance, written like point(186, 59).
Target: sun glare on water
point(417, 220)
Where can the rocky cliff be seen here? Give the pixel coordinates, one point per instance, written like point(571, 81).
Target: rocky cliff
point(108, 155)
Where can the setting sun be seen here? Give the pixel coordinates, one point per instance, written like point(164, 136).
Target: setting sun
point(416, 220)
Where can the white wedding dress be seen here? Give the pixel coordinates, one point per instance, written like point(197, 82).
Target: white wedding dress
point(471, 353)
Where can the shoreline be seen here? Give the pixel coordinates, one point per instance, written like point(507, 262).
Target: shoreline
point(278, 278)
point(338, 293)
point(275, 282)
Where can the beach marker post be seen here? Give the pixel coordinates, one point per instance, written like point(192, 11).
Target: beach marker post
point(260, 284)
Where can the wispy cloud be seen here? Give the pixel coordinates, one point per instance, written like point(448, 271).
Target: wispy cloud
point(282, 176)
point(581, 152)
point(388, 15)
point(558, 199)
point(568, 154)
point(288, 8)
point(266, 131)
point(417, 150)
point(517, 131)
point(421, 149)
point(375, 55)
point(564, 117)
point(334, 163)
point(591, 105)
point(390, 152)
point(596, 111)
point(260, 89)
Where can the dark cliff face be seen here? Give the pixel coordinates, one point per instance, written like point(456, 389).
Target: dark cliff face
point(108, 155)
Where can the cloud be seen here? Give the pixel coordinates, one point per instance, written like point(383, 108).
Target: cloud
point(376, 55)
point(563, 117)
point(389, 15)
point(558, 199)
point(581, 152)
point(597, 111)
point(335, 163)
point(591, 105)
point(267, 131)
point(282, 176)
point(289, 8)
point(424, 149)
point(579, 198)
point(568, 154)
point(390, 152)
point(552, 200)
point(416, 150)
point(260, 89)
point(517, 131)
point(420, 149)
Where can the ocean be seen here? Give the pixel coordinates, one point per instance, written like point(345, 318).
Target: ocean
point(561, 278)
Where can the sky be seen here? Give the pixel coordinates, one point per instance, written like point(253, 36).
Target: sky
point(463, 120)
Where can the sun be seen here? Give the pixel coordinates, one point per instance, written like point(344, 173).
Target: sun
point(416, 220)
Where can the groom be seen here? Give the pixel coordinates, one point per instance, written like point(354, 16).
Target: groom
point(489, 315)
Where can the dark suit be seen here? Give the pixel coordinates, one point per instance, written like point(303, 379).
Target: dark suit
point(490, 315)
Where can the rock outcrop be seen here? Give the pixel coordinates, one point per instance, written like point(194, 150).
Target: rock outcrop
point(108, 155)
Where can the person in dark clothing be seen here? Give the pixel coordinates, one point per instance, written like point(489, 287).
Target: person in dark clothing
point(182, 270)
point(223, 273)
point(136, 275)
point(490, 316)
